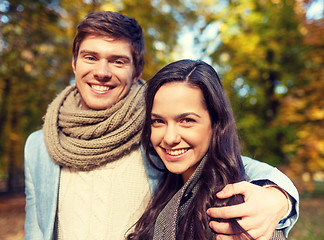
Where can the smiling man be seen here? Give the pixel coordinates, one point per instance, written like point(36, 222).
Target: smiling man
point(104, 71)
point(85, 176)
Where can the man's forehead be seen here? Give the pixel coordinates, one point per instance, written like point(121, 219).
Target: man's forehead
point(106, 45)
point(107, 39)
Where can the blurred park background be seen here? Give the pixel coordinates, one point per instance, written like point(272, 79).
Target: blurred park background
point(268, 53)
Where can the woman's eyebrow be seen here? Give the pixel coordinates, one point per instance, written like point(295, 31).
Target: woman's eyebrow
point(182, 115)
point(156, 115)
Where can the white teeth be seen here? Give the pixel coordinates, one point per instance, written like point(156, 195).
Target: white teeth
point(100, 87)
point(176, 152)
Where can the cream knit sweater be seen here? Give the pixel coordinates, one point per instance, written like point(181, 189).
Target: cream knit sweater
point(103, 203)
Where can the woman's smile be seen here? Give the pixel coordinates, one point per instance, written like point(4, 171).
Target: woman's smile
point(180, 127)
point(174, 155)
point(176, 151)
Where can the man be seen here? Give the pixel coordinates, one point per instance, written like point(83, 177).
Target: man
point(85, 174)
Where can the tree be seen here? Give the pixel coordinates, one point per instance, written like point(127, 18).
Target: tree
point(267, 53)
point(303, 108)
point(31, 57)
point(270, 56)
point(259, 53)
point(35, 49)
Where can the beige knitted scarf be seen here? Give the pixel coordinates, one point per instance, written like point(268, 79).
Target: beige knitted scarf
point(85, 139)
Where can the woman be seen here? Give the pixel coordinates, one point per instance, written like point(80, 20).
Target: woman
point(189, 123)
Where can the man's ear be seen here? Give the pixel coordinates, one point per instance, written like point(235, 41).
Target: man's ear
point(73, 65)
point(136, 78)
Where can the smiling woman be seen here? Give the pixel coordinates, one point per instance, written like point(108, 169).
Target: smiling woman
point(181, 132)
point(189, 124)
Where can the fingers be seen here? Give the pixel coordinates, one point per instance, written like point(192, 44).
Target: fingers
point(224, 227)
point(228, 237)
point(258, 214)
point(224, 237)
point(256, 229)
point(235, 188)
point(251, 224)
point(224, 232)
point(255, 233)
point(220, 227)
point(235, 211)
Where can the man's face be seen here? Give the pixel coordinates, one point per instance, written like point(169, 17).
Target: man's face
point(104, 71)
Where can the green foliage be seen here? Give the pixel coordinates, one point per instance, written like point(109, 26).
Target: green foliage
point(303, 108)
point(260, 53)
point(32, 67)
point(35, 49)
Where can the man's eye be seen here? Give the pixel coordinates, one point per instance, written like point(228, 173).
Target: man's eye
point(119, 62)
point(90, 58)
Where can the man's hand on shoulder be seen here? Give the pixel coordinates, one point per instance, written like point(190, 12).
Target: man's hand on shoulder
point(259, 215)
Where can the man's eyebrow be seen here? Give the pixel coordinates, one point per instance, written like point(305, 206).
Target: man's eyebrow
point(121, 56)
point(88, 52)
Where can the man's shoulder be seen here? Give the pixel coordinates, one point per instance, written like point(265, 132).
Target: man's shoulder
point(36, 154)
point(34, 139)
point(35, 146)
point(36, 136)
point(248, 160)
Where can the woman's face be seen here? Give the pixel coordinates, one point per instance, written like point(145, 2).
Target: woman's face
point(180, 127)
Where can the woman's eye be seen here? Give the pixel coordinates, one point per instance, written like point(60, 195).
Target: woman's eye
point(156, 122)
point(187, 120)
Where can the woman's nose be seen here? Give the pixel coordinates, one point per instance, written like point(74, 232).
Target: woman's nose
point(171, 136)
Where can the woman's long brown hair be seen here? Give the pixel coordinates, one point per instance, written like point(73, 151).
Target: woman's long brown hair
point(223, 165)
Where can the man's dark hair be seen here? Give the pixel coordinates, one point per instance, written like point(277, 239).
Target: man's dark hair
point(113, 25)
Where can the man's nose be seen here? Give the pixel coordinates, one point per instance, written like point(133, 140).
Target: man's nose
point(102, 71)
point(172, 136)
